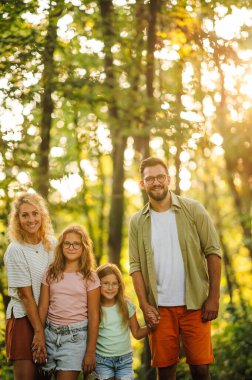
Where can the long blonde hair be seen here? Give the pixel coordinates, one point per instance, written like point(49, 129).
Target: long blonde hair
point(105, 270)
point(86, 260)
point(15, 231)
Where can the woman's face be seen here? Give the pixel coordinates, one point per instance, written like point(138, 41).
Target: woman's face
point(30, 219)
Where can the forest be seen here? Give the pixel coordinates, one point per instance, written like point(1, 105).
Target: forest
point(90, 88)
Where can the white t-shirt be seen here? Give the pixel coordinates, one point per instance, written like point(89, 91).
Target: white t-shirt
point(68, 297)
point(25, 265)
point(168, 259)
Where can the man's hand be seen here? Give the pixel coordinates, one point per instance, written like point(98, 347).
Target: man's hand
point(210, 309)
point(151, 316)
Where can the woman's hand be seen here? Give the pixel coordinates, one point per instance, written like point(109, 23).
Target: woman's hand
point(38, 344)
point(39, 348)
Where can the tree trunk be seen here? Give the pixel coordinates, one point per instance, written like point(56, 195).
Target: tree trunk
point(142, 142)
point(150, 372)
point(232, 282)
point(118, 139)
point(101, 221)
point(117, 202)
point(47, 105)
point(179, 132)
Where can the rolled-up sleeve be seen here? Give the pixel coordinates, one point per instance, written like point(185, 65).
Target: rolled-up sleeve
point(134, 259)
point(207, 234)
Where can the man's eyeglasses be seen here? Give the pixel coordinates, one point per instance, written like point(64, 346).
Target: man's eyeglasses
point(151, 179)
point(76, 245)
point(113, 285)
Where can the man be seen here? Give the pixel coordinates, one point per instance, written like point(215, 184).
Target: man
point(175, 266)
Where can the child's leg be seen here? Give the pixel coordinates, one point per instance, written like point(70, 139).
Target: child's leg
point(67, 375)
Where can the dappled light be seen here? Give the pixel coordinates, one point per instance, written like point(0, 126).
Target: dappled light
point(89, 89)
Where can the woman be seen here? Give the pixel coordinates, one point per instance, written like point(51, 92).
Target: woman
point(26, 258)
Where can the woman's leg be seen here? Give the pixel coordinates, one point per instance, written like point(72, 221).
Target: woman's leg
point(24, 370)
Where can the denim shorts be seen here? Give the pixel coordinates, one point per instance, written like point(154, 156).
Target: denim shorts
point(119, 367)
point(66, 346)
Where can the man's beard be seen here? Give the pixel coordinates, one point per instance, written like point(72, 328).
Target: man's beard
point(158, 197)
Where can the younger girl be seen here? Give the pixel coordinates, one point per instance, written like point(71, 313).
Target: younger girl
point(69, 306)
point(117, 318)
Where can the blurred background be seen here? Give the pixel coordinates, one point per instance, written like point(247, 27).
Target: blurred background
point(89, 88)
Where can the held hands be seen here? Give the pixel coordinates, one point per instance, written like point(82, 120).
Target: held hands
point(210, 309)
point(151, 316)
point(39, 349)
point(89, 362)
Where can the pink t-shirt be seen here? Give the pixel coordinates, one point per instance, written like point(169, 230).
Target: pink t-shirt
point(68, 297)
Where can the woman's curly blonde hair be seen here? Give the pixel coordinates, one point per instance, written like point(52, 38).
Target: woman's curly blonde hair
point(15, 231)
point(86, 260)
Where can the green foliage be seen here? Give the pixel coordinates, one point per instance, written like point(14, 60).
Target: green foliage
point(204, 71)
point(233, 347)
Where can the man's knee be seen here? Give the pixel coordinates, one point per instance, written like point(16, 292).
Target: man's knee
point(200, 372)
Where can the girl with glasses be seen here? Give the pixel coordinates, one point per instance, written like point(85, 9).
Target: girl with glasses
point(117, 318)
point(69, 306)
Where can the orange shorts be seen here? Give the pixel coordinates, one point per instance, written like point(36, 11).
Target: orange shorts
point(18, 338)
point(196, 337)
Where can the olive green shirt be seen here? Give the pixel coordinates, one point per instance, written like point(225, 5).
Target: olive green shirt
point(197, 239)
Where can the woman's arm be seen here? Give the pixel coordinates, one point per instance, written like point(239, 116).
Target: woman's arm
point(38, 344)
point(93, 298)
point(138, 332)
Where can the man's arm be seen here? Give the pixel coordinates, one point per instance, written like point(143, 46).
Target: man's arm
point(150, 313)
point(211, 305)
point(211, 249)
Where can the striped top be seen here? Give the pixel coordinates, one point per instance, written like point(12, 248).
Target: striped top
point(25, 265)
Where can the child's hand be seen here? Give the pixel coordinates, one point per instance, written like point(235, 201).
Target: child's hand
point(89, 362)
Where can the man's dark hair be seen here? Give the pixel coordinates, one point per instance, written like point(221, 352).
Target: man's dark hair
point(151, 161)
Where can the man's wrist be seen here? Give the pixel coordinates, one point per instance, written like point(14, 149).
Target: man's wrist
point(143, 305)
point(213, 294)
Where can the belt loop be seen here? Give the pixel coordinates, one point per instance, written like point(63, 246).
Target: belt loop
point(58, 344)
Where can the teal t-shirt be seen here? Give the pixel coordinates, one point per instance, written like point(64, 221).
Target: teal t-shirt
point(114, 335)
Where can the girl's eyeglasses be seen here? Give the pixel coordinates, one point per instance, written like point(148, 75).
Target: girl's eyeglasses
point(113, 285)
point(76, 245)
